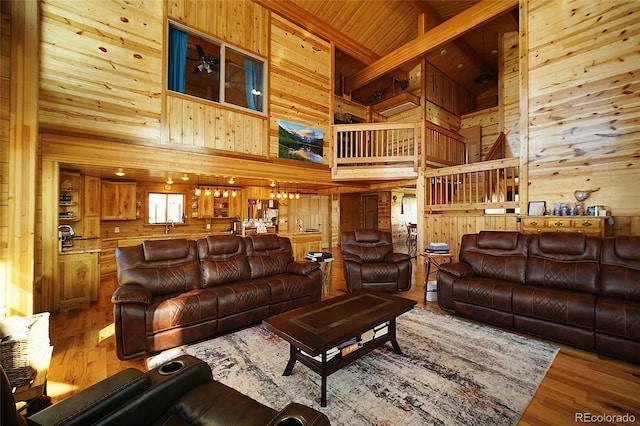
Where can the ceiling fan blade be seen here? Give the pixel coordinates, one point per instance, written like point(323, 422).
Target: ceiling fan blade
point(201, 52)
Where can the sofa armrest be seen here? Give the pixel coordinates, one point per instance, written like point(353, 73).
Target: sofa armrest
point(457, 269)
point(96, 401)
point(129, 293)
point(302, 268)
point(307, 415)
point(397, 257)
point(351, 258)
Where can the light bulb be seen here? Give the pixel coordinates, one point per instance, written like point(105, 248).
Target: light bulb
point(198, 191)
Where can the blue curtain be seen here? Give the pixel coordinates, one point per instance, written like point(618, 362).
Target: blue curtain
point(177, 59)
point(253, 79)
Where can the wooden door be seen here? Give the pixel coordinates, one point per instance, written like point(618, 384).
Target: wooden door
point(350, 212)
point(371, 212)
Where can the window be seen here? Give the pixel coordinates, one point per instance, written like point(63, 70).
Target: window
point(194, 69)
point(164, 207)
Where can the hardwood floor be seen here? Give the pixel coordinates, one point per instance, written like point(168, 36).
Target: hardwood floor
point(578, 381)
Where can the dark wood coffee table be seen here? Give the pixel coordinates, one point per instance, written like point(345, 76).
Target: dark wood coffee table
point(320, 327)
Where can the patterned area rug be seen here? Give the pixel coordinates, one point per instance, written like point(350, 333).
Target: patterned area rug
point(452, 372)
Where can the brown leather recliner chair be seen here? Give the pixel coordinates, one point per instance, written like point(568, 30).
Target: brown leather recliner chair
point(179, 392)
point(371, 264)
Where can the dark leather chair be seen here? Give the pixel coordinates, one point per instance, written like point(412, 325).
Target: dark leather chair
point(179, 392)
point(371, 264)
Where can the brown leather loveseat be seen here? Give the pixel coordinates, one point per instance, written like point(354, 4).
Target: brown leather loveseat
point(175, 292)
point(569, 287)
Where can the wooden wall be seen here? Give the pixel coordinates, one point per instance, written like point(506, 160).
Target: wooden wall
point(101, 69)
point(194, 123)
point(509, 93)
point(301, 82)
point(5, 77)
point(583, 90)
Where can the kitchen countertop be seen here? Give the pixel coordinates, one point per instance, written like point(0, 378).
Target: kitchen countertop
point(83, 246)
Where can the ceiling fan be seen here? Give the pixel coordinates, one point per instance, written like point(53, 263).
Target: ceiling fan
point(207, 62)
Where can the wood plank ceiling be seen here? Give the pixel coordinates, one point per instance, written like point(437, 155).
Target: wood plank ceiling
point(384, 26)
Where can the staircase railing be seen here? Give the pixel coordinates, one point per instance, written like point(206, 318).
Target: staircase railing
point(484, 185)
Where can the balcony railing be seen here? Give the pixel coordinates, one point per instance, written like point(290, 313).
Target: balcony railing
point(483, 185)
point(376, 144)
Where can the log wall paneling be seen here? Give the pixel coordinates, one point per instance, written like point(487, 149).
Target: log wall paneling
point(239, 22)
point(450, 228)
point(300, 82)
point(509, 93)
point(5, 81)
point(443, 91)
point(489, 122)
point(18, 283)
point(582, 95)
point(102, 68)
point(193, 123)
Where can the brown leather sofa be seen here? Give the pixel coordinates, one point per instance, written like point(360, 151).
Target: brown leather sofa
point(568, 287)
point(175, 292)
point(179, 392)
point(371, 264)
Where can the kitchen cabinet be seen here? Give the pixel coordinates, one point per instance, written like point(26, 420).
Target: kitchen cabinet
point(591, 225)
point(210, 206)
point(235, 206)
point(304, 243)
point(118, 200)
point(78, 279)
point(91, 207)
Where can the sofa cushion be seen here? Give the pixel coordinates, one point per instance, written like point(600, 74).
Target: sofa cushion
point(484, 292)
point(503, 240)
point(165, 250)
point(268, 254)
point(183, 309)
point(564, 244)
point(559, 306)
point(620, 268)
point(223, 260)
point(618, 317)
point(370, 246)
point(500, 255)
point(286, 286)
point(572, 266)
point(240, 297)
point(169, 269)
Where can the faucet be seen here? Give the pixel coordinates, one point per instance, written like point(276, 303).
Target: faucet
point(167, 224)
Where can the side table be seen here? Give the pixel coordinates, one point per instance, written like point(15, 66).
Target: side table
point(325, 259)
point(436, 259)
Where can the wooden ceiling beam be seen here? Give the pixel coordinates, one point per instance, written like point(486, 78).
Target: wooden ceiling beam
point(446, 32)
point(306, 20)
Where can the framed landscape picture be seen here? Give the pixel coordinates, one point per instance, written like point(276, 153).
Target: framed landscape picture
point(298, 142)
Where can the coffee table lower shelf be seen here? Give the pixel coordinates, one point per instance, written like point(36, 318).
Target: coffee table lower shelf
point(325, 368)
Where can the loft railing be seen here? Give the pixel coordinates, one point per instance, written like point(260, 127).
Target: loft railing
point(483, 185)
point(375, 144)
point(398, 144)
point(443, 147)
